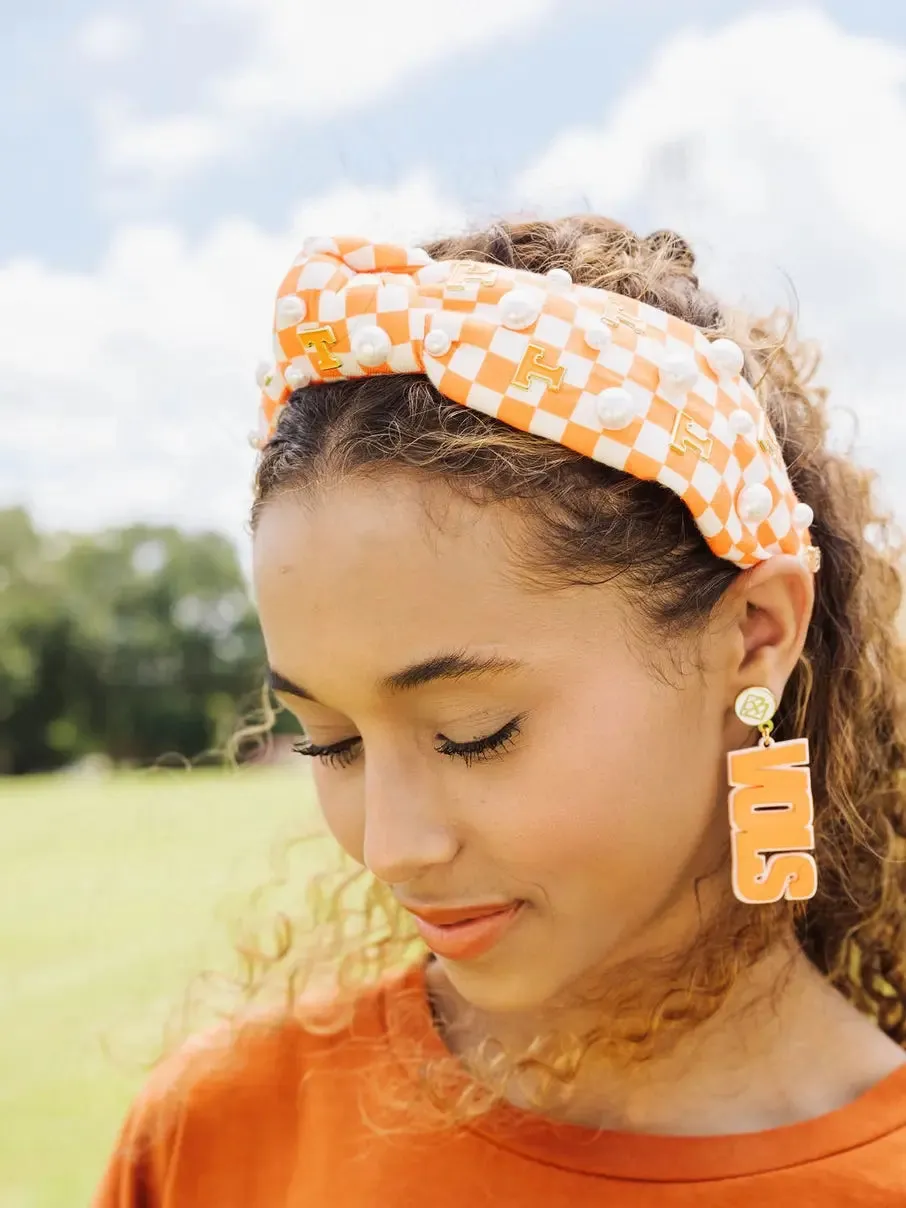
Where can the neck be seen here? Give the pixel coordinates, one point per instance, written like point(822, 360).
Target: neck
point(762, 1061)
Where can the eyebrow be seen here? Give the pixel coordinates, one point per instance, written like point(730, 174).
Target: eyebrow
point(453, 665)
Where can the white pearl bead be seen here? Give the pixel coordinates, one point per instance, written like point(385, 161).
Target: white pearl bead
point(741, 423)
point(598, 337)
point(518, 309)
point(802, 516)
point(755, 503)
point(316, 244)
point(290, 310)
point(725, 357)
point(371, 346)
point(296, 377)
point(437, 342)
point(264, 374)
point(559, 278)
point(680, 369)
point(616, 408)
point(418, 255)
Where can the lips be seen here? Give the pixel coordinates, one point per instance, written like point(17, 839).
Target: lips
point(440, 916)
point(472, 938)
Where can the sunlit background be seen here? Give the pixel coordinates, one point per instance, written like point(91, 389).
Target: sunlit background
point(161, 164)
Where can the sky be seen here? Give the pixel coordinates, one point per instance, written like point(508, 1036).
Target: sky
point(162, 163)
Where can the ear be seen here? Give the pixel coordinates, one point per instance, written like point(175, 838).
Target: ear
point(769, 610)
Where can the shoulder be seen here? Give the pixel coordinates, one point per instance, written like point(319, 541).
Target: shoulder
point(236, 1091)
point(237, 1066)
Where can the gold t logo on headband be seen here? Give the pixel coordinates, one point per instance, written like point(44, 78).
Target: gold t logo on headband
point(767, 440)
point(470, 272)
point(693, 436)
point(614, 315)
point(533, 367)
point(316, 341)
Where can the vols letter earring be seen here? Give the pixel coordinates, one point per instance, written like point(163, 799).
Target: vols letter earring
point(772, 813)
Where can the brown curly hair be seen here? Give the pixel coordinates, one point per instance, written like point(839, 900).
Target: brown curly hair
point(588, 522)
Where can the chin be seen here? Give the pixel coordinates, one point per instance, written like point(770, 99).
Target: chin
point(496, 989)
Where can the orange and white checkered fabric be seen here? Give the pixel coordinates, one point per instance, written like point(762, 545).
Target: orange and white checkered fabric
point(615, 379)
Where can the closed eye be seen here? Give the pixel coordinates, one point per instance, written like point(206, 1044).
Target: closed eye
point(342, 754)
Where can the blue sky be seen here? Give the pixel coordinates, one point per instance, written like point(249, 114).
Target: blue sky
point(163, 163)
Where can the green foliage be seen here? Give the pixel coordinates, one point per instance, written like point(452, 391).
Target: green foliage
point(134, 642)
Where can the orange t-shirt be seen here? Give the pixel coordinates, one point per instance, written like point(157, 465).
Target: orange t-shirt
point(280, 1124)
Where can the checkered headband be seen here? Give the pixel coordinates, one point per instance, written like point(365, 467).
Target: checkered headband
point(615, 379)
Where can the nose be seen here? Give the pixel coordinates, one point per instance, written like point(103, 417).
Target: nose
point(405, 830)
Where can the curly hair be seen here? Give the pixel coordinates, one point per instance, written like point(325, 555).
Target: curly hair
point(587, 523)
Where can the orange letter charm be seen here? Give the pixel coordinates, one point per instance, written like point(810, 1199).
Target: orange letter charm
point(317, 341)
point(771, 810)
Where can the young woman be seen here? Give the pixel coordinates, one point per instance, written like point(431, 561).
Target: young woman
point(594, 646)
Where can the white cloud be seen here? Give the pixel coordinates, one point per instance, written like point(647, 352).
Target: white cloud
point(107, 38)
point(771, 144)
point(167, 148)
point(303, 61)
point(129, 393)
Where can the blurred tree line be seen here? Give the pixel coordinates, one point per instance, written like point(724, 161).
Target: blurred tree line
point(134, 642)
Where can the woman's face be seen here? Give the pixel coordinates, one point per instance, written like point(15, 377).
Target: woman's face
point(601, 810)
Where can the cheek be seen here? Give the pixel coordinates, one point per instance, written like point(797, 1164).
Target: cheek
point(619, 817)
point(339, 795)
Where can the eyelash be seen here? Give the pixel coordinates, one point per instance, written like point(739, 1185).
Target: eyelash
point(341, 754)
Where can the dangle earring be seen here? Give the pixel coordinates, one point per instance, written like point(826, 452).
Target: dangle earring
point(772, 813)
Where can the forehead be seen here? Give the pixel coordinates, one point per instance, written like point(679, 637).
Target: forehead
point(371, 576)
point(384, 552)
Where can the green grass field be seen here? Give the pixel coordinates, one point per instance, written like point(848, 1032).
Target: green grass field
point(113, 894)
